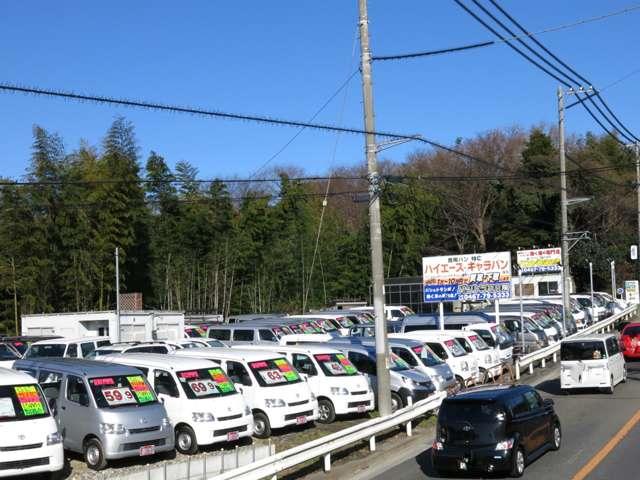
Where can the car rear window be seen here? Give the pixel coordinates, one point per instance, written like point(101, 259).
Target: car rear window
point(473, 411)
point(632, 331)
point(579, 351)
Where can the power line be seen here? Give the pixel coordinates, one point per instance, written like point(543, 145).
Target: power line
point(537, 64)
point(497, 42)
point(606, 87)
point(7, 87)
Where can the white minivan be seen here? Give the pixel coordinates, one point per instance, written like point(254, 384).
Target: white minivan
point(30, 443)
point(273, 389)
point(594, 361)
point(336, 383)
point(489, 363)
point(201, 401)
point(66, 347)
point(464, 366)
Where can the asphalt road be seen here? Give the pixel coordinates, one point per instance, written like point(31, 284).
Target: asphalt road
point(591, 422)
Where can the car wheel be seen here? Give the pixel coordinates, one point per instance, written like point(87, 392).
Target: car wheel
point(94, 454)
point(326, 411)
point(396, 402)
point(186, 442)
point(261, 425)
point(556, 440)
point(517, 462)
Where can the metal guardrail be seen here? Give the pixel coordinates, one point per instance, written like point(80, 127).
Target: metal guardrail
point(542, 355)
point(323, 447)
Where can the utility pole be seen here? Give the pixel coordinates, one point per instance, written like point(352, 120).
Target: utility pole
point(375, 229)
point(566, 273)
point(117, 296)
point(613, 279)
point(15, 295)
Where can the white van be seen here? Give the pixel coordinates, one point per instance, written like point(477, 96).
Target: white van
point(464, 366)
point(328, 321)
point(201, 401)
point(273, 389)
point(494, 335)
point(391, 312)
point(30, 443)
point(66, 347)
point(592, 362)
point(336, 383)
point(489, 363)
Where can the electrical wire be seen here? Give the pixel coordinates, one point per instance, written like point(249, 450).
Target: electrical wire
point(497, 42)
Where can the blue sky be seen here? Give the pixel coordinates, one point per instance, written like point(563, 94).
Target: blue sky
point(285, 58)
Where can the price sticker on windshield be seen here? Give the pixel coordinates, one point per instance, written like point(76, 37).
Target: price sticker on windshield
point(118, 396)
point(202, 388)
point(289, 373)
point(140, 388)
point(29, 400)
point(221, 380)
point(348, 366)
point(271, 377)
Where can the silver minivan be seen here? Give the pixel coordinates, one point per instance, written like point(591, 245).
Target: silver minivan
point(104, 411)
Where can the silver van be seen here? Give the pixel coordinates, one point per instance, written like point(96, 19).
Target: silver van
point(104, 411)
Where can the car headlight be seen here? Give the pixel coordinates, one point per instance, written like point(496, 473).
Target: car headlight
point(112, 429)
point(54, 438)
point(339, 391)
point(202, 417)
point(506, 445)
point(274, 403)
point(247, 410)
point(465, 366)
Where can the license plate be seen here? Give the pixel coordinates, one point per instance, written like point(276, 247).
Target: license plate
point(361, 408)
point(147, 450)
point(301, 420)
point(231, 436)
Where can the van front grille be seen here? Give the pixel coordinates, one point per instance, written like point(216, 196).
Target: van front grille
point(22, 464)
point(230, 417)
point(293, 416)
point(295, 404)
point(137, 445)
point(20, 447)
point(362, 403)
point(359, 392)
point(133, 431)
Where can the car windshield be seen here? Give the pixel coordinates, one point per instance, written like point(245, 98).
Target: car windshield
point(632, 331)
point(6, 353)
point(455, 348)
point(121, 391)
point(196, 332)
point(326, 325)
point(22, 402)
point(398, 365)
point(206, 383)
point(581, 351)
point(502, 334)
point(335, 365)
point(585, 302)
point(271, 373)
point(215, 343)
point(465, 344)
point(428, 358)
point(478, 342)
point(487, 337)
point(345, 322)
point(46, 350)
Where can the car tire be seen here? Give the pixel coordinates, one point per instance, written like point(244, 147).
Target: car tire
point(556, 437)
point(517, 462)
point(261, 425)
point(326, 411)
point(186, 442)
point(94, 454)
point(396, 402)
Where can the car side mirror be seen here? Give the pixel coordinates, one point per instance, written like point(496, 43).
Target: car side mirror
point(238, 387)
point(161, 400)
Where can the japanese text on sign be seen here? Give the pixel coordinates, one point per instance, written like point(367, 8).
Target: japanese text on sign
point(482, 276)
point(543, 260)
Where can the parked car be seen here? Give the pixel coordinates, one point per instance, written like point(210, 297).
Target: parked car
point(391, 312)
point(528, 336)
point(273, 389)
point(630, 340)
point(104, 411)
point(66, 347)
point(595, 361)
point(489, 363)
point(494, 430)
point(203, 405)
point(30, 443)
point(21, 342)
point(8, 355)
point(336, 383)
point(131, 347)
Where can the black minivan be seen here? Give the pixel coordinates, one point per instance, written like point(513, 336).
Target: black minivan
point(494, 429)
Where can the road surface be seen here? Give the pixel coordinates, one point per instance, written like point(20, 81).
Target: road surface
point(601, 434)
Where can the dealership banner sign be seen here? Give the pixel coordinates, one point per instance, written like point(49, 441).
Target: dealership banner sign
point(467, 278)
point(544, 260)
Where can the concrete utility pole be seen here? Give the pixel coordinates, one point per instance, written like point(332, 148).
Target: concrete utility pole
point(117, 296)
point(566, 273)
point(375, 229)
point(613, 279)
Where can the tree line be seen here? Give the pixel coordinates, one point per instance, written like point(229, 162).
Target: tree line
point(231, 247)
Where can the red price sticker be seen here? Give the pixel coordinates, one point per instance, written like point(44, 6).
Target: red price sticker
point(118, 396)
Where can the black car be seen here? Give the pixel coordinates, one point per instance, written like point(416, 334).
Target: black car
point(494, 429)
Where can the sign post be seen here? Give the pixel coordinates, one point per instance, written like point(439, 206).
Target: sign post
point(631, 292)
point(441, 315)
